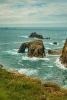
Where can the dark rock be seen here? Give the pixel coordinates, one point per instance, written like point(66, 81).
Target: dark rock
point(47, 38)
point(35, 48)
point(23, 47)
point(54, 52)
point(34, 34)
point(63, 57)
point(55, 43)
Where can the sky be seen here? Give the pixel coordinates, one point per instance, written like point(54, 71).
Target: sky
point(33, 13)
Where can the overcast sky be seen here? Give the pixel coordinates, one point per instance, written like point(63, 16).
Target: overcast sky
point(35, 13)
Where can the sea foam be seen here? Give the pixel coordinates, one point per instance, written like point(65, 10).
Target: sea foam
point(58, 64)
point(10, 43)
point(34, 58)
point(24, 36)
point(28, 71)
point(11, 52)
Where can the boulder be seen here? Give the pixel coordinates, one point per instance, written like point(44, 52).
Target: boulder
point(63, 57)
point(55, 43)
point(35, 48)
point(34, 34)
point(54, 52)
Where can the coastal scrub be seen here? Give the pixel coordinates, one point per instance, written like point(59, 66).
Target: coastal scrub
point(14, 86)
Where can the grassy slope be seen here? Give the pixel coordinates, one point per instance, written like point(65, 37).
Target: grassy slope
point(14, 86)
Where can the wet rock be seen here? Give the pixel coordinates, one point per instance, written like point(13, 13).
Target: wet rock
point(34, 34)
point(35, 48)
point(54, 52)
point(23, 47)
point(63, 57)
point(47, 38)
point(55, 43)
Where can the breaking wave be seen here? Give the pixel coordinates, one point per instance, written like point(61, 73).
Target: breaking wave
point(24, 36)
point(58, 64)
point(34, 58)
point(11, 52)
point(28, 71)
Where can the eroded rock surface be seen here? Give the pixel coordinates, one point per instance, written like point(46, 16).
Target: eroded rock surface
point(34, 34)
point(55, 52)
point(63, 57)
point(35, 48)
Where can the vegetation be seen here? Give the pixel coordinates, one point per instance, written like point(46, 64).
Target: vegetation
point(14, 86)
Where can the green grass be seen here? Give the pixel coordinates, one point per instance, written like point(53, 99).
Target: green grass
point(14, 86)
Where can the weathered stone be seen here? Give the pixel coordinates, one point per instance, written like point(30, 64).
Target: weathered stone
point(35, 48)
point(23, 47)
point(54, 52)
point(63, 57)
point(34, 34)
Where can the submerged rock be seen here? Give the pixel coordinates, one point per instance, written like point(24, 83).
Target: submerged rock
point(63, 57)
point(54, 52)
point(47, 38)
point(35, 48)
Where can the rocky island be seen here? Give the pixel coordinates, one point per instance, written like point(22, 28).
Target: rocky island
point(34, 34)
point(35, 48)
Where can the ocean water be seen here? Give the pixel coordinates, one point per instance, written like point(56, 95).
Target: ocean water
point(46, 69)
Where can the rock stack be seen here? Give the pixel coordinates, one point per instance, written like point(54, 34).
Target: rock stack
point(63, 57)
point(35, 35)
point(35, 48)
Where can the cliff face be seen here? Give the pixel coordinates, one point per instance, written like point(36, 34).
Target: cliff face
point(63, 57)
point(35, 48)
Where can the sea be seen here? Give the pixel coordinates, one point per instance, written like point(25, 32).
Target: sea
point(48, 68)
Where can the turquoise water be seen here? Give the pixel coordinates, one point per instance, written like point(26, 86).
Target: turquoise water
point(48, 68)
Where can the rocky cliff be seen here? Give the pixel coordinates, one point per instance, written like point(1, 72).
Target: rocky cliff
point(35, 48)
point(63, 57)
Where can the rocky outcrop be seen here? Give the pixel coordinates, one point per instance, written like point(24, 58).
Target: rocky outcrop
point(35, 48)
point(34, 34)
point(54, 52)
point(63, 57)
point(23, 47)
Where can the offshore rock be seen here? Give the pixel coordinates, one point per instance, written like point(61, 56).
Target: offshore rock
point(55, 43)
point(55, 52)
point(23, 47)
point(63, 57)
point(35, 48)
point(34, 34)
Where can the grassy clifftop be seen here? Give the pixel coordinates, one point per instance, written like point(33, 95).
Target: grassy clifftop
point(14, 86)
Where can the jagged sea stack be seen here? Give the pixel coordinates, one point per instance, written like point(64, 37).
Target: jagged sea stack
point(63, 57)
point(34, 34)
point(35, 48)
